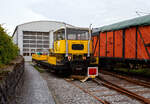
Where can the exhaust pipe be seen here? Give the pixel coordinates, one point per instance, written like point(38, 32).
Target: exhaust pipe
point(89, 40)
point(66, 41)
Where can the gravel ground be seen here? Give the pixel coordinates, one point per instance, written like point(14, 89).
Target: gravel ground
point(66, 93)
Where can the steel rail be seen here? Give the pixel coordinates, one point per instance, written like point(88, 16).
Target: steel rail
point(145, 84)
point(88, 92)
point(121, 90)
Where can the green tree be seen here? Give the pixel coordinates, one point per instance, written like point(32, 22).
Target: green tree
point(8, 50)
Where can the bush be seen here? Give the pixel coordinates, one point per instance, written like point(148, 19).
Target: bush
point(8, 50)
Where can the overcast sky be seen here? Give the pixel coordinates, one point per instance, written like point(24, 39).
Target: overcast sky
point(76, 12)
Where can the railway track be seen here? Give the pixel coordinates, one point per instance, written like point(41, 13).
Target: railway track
point(88, 92)
point(138, 82)
point(122, 90)
point(107, 93)
point(136, 89)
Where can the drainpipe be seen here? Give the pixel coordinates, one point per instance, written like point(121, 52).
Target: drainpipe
point(89, 40)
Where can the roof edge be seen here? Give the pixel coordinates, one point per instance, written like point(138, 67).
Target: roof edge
point(37, 21)
point(138, 21)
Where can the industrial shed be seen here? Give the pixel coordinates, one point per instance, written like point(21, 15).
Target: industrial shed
point(35, 36)
point(127, 41)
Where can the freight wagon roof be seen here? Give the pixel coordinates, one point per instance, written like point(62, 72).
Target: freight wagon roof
point(139, 21)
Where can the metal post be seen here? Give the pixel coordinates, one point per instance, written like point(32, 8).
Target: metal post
point(66, 40)
point(89, 40)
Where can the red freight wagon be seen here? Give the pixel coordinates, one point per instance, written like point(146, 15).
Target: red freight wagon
point(127, 42)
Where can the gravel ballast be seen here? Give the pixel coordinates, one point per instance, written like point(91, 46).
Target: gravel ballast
point(66, 93)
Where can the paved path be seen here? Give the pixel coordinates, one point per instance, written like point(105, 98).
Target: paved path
point(35, 90)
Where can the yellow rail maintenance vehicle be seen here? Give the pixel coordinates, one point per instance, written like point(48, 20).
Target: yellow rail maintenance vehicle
point(71, 53)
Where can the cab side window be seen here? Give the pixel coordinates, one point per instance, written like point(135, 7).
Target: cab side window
point(59, 36)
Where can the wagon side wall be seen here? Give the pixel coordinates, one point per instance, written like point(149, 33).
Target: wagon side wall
point(130, 44)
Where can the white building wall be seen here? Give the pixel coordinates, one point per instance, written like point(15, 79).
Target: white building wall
point(15, 38)
point(20, 40)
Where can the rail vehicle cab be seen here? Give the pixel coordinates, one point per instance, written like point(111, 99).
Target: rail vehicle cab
point(72, 47)
point(74, 43)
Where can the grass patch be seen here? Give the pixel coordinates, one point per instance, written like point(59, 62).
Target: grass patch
point(38, 69)
point(141, 72)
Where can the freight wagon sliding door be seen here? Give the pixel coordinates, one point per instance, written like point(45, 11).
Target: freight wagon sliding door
point(130, 43)
point(143, 42)
point(111, 44)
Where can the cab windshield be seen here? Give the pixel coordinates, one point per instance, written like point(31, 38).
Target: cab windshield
point(76, 34)
point(72, 34)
